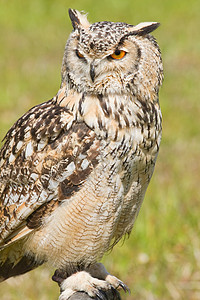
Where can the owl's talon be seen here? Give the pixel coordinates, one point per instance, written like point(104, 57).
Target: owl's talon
point(101, 295)
point(124, 287)
point(98, 270)
point(83, 282)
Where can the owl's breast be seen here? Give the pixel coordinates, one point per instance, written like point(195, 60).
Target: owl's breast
point(137, 156)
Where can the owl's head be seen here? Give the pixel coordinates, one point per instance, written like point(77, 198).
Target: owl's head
point(107, 57)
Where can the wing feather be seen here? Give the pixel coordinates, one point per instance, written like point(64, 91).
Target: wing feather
point(45, 158)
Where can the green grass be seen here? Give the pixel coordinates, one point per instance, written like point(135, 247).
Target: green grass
point(161, 259)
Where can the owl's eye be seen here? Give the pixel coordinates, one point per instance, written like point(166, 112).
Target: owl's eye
point(79, 54)
point(118, 54)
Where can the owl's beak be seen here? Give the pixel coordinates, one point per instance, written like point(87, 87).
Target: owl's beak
point(92, 71)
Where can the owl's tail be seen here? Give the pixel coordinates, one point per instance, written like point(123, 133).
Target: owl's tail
point(13, 264)
point(26, 264)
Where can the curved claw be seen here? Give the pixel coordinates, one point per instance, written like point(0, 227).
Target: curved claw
point(101, 295)
point(124, 287)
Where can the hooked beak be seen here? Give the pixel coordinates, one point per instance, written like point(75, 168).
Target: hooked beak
point(92, 72)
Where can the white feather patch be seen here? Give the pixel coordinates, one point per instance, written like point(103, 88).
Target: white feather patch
point(29, 150)
point(11, 158)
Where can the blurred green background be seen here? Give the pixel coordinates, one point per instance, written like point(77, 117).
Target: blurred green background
point(161, 259)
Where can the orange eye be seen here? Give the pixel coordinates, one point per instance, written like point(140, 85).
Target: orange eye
point(79, 54)
point(118, 54)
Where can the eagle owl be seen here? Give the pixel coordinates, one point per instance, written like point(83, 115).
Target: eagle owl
point(74, 170)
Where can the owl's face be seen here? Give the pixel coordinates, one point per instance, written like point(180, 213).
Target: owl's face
point(105, 57)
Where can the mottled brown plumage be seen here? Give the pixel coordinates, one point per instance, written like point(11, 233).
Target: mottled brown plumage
point(74, 170)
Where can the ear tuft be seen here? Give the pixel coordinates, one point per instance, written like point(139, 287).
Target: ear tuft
point(145, 28)
point(78, 19)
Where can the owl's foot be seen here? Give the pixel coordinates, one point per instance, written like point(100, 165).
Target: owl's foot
point(94, 281)
point(83, 282)
point(99, 271)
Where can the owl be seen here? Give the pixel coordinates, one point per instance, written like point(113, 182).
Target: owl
point(74, 170)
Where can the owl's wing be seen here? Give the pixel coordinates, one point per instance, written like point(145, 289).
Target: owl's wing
point(45, 158)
